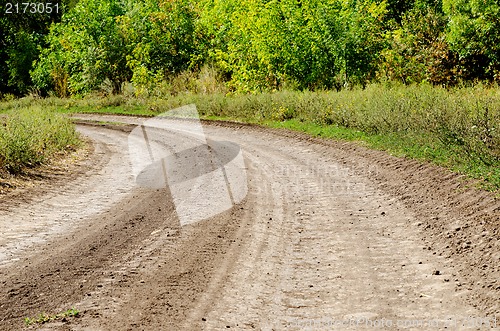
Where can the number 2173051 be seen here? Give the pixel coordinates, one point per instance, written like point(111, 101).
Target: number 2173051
point(31, 8)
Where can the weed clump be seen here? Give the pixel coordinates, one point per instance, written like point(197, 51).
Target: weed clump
point(43, 318)
point(32, 136)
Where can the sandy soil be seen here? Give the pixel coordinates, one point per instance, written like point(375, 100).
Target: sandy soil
point(329, 236)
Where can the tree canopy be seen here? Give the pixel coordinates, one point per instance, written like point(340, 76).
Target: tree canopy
point(253, 44)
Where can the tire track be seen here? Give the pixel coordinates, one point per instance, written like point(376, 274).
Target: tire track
point(95, 191)
point(327, 233)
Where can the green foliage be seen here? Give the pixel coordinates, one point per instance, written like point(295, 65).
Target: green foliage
point(44, 318)
point(305, 44)
point(114, 41)
point(21, 35)
point(473, 34)
point(20, 56)
point(254, 45)
point(31, 136)
point(160, 38)
point(85, 49)
point(418, 50)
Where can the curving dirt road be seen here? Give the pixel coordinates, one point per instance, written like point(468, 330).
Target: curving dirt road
point(311, 235)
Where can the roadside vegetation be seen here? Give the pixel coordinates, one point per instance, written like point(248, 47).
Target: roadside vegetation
point(33, 135)
point(43, 318)
point(417, 78)
point(456, 128)
point(253, 45)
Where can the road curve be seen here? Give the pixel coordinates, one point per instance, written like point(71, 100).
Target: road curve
point(326, 236)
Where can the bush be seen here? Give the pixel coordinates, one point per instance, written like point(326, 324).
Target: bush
point(84, 50)
point(418, 50)
point(267, 45)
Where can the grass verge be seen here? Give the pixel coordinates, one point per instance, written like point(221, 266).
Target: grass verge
point(423, 148)
point(457, 128)
point(33, 135)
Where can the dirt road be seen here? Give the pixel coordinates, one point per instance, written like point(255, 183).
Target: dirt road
point(327, 235)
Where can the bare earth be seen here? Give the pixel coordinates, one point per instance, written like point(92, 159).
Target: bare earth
point(331, 236)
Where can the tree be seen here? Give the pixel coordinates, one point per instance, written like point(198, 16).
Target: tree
point(117, 41)
point(86, 48)
point(418, 50)
point(473, 34)
point(162, 39)
point(21, 36)
point(304, 44)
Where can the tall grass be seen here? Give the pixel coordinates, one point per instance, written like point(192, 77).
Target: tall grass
point(458, 128)
point(33, 135)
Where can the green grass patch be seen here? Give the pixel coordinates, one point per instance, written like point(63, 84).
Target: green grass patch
point(32, 136)
point(330, 131)
point(45, 318)
point(114, 110)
